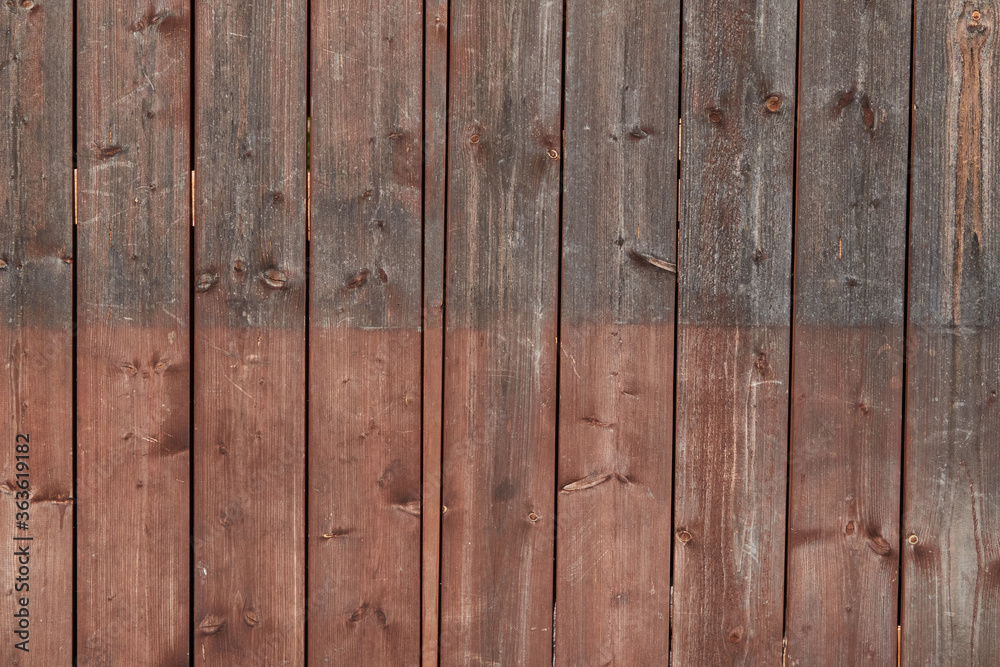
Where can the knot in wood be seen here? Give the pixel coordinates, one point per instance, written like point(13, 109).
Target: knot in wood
point(212, 624)
point(879, 545)
point(205, 281)
point(358, 279)
point(274, 278)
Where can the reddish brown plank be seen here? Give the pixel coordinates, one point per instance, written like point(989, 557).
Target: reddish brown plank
point(365, 342)
point(250, 354)
point(951, 502)
point(734, 312)
point(617, 332)
point(133, 366)
point(500, 332)
point(435, 164)
point(847, 358)
point(36, 347)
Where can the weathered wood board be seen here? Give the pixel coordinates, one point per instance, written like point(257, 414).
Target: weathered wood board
point(951, 477)
point(733, 328)
point(250, 332)
point(847, 358)
point(36, 333)
point(133, 314)
point(364, 334)
point(501, 313)
point(617, 332)
point(435, 201)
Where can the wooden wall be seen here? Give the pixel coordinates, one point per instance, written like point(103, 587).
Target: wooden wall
point(499, 332)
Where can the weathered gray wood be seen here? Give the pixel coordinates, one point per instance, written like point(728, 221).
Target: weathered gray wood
point(36, 310)
point(734, 313)
point(249, 351)
point(951, 503)
point(847, 359)
point(617, 332)
point(500, 332)
point(365, 343)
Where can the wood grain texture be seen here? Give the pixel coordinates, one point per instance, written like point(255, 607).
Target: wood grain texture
point(734, 311)
point(500, 332)
point(434, 191)
point(250, 354)
point(36, 348)
point(951, 503)
point(847, 360)
point(133, 304)
point(617, 332)
point(365, 343)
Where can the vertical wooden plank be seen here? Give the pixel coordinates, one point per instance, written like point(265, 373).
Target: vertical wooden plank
point(617, 332)
point(500, 332)
point(250, 300)
point(734, 313)
point(133, 368)
point(951, 519)
point(365, 341)
point(435, 189)
point(847, 361)
point(36, 347)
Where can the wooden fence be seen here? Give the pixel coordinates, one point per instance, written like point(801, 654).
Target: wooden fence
point(419, 332)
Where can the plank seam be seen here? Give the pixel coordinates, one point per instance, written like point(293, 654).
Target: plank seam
point(677, 289)
point(444, 314)
point(906, 346)
point(192, 116)
point(559, 281)
point(423, 309)
point(73, 318)
point(307, 285)
point(791, 332)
